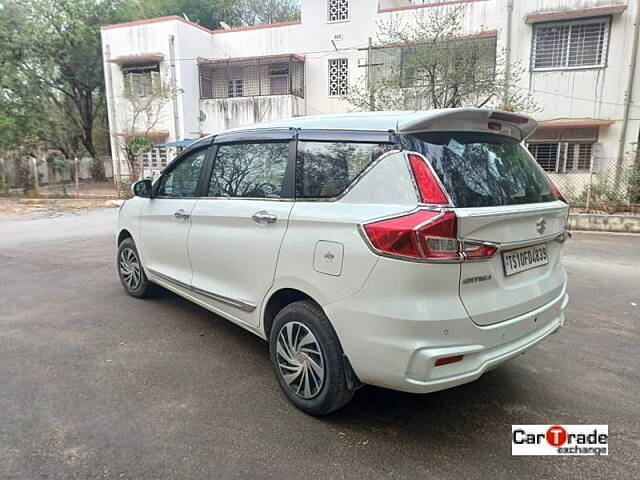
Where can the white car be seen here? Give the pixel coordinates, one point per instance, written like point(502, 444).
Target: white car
point(410, 250)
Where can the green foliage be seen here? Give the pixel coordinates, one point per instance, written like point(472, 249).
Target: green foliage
point(604, 196)
point(210, 13)
point(51, 76)
point(634, 177)
point(52, 71)
point(139, 145)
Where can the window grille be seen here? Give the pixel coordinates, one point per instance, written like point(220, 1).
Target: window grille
point(564, 45)
point(338, 10)
point(583, 159)
point(562, 157)
point(255, 77)
point(141, 80)
point(236, 88)
point(155, 159)
point(338, 76)
point(546, 154)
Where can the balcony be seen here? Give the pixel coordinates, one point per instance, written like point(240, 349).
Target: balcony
point(252, 77)
point(243, 91)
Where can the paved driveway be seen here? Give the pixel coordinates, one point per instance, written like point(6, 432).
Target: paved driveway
point(96, 384)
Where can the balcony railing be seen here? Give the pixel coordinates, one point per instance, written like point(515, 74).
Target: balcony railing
point(249, 77)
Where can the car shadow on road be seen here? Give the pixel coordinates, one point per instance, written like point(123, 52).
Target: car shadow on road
point(493, 399)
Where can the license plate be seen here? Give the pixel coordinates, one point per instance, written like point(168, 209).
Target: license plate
point(526, 258)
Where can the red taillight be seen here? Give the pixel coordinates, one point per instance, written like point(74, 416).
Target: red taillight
point(475, 252)
point(556, 191)
point(422, 234)
point(448, 360)
point(430, 190)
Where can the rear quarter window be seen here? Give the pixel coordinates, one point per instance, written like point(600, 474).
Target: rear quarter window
point(326, 169)
point(482, 169)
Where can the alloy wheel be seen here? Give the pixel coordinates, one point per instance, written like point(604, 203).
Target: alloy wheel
point(300, 360)
point(130, 268)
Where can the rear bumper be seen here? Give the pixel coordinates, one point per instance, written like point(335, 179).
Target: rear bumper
point(400, 353)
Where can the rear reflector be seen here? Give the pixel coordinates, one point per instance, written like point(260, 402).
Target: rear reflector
point(448, 360)
point(474, 252)
point(430, 190)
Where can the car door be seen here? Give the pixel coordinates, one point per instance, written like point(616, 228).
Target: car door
point(237, 230)
point(165, 219)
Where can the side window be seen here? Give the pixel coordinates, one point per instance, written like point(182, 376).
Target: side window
point(325, 169)
point(182, 180)
point(252, 170)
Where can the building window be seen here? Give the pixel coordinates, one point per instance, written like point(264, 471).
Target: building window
point(338, 76)
point(565, 45)
point(338, 10)
point(562, 157)
point(279, 78)
point(235, 88)
point(141, 80)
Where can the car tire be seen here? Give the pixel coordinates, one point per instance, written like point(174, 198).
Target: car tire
point(130, 270)
point(308, 359)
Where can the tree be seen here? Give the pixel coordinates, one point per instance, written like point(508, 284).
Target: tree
point(253, 12)
point(56, 51)
point(426, 62)
point(51, 75)
point(209, 13)
point(140, 115)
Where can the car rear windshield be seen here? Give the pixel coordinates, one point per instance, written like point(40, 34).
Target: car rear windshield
point(482, 169)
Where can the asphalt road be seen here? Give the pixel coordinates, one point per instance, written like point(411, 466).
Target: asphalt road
point(96, 384)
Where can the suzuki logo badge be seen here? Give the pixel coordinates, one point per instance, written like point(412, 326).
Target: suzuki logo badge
point(541, 226)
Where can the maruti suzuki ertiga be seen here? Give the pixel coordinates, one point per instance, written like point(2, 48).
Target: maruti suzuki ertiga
point(408, 250)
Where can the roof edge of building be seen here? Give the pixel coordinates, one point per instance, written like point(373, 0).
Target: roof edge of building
point(172, 18)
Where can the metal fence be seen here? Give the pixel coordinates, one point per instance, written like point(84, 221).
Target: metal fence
point(50, 174)
point(601, 186)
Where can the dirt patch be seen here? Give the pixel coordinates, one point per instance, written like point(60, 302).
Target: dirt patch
point(52, 207)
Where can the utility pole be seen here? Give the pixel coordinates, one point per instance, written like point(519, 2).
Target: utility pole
point(628, 97)
point(507, 54)
point(369, 65)
point(77, 170)
point(174, 93)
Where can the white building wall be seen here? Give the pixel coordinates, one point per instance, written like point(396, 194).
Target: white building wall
point(574, 94)
point(191, 44)
point(141, 39)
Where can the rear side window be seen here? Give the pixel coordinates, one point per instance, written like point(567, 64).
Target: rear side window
point(250, 170)
point(326, 169)
point(482, 170)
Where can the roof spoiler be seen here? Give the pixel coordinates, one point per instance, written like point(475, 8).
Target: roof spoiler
point(470, 120)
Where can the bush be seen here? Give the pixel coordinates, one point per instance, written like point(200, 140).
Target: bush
point(634, 179)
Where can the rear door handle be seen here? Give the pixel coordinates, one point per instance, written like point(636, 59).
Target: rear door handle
point(181, 215)
point(264, 217)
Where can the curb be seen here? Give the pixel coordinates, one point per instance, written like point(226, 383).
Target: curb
point(604, 223)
